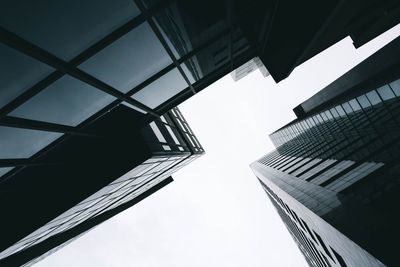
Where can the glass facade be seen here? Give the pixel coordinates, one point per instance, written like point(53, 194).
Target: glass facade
point(334, 177)
point(171, 146)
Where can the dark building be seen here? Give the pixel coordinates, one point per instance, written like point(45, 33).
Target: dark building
point(83, 82)
point(334, 177)
point(85, 179)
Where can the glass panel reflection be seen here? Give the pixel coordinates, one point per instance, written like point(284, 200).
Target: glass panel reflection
point(22, 143)
point(395, 87)
point(18, 73)
point(65, 28)
point(130, 60)
point(385, 92)
point(69, 100)
point(5, 170)
point(185, 26)
point(162, 89)
point(373, 97)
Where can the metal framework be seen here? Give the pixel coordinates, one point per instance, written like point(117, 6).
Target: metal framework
point(70, 68)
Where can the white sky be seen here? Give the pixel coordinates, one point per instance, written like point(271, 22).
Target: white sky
point(215, 213)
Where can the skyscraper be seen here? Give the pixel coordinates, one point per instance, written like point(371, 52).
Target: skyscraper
point(334, 176)
point(86, 179)
point(81, 81)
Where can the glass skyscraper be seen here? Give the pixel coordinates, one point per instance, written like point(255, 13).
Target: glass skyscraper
point(334, 177)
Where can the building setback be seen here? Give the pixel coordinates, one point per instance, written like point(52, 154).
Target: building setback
point(334, 177)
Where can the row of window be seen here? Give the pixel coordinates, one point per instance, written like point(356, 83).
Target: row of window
point(331, 150)
point(309, 241)
point(133, 183)
point(385, 93)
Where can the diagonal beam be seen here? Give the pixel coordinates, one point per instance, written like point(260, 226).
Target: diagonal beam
point(157, 31)
point(27, 48)
point(15, 122)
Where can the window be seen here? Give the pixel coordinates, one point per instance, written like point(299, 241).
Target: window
point(18, 73)
point(171, 132)
point(5, 170)
point(157, 132)
point(69, 101)
point(162, 89)
point(323, 245)
point(385, 92)
point(354, 105)
point(395, 87)
point(340, 111)
point(165, 147)
point(339, 258)
point(364, 101)
point(48, 24)
point(373, 97)
point(130, 60)
point(23, 143)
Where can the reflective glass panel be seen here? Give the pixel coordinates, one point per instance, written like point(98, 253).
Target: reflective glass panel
point(130, 60)
point(23, 143)
point(185, 26)
point(354, 105)
point(373, 97)
point(65, 28)
point(166, 147)
point(340, 110)
point(5, 170)
point(171, 132)
point(385, 92)
point(334, 112)
point(157, 132)
point(18, 73)
point(364, 101)
point(68, 101)
point(396, 87)
point(347, 108)
point(162, 89)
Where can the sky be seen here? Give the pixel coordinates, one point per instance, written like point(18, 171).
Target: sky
point(215, 213)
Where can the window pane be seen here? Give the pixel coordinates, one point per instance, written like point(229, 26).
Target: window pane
point(328, 115)
point(166, 147)
point(68, 101)
point(172, 135)
point(334, 112)
point(179, 24)
point(130, 60)
point(347, 108)
point(396, 87)
point(364, 101)
point(385, 92)
point(63, 27)
point(373, 97)
point(162, 89)
point(18, 73)
point(354, 104)
point(22, 143)
point(5, 170)
point(340, 110)
point(157, 132)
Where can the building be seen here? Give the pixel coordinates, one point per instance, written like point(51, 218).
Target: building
point(80, 79)
point(334, 177)
point(83, 180)
point(249, 67)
